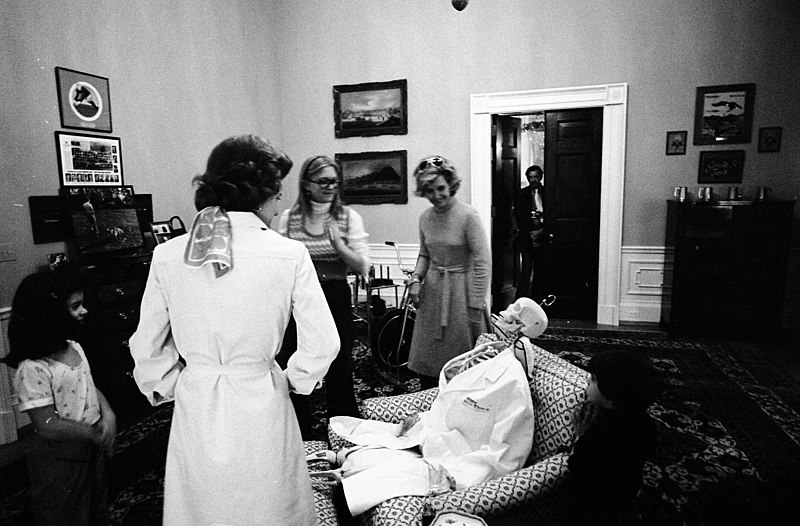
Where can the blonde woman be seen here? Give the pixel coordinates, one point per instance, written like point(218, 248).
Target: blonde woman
point(335, 237)
point(452, 275)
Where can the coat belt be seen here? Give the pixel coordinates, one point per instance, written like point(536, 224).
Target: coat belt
point(207, 369)
point(445, 303)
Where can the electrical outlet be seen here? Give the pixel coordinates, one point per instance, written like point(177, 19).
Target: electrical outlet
point(7, 252)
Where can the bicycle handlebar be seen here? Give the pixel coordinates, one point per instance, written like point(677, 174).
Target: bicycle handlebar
point(405, 270)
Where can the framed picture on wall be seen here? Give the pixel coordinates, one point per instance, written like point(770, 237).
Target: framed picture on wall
point(724, 114)
point(769, 139)
point(374, 177)
point(721, 167)
point(84, 100)
point(676, 142)
point(89, 160)
point(374, 108)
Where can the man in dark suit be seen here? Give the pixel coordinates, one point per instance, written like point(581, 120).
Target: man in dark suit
point(529, 214)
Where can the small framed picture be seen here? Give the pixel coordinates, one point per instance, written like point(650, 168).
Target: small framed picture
point(769, 139)
point(373, 108)
point(374, 177)
point(89, 160)
point(676, 142)
point(84, 100)
point(721, 166)
point(161, 230)
point(724, 114)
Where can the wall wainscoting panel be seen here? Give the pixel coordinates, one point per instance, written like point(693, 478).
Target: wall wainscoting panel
point(645, 271)
point(8, 402)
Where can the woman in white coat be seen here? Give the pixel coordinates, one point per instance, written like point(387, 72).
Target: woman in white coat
point(221, 297)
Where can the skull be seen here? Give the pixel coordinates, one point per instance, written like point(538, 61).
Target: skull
point(524, 316)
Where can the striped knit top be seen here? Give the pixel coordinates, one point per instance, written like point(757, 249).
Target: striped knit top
point(327, 262)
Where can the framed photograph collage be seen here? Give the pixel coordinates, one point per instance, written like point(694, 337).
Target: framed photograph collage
point(89, 160)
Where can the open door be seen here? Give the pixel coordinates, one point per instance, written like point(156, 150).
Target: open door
point(505, 186)
point(572, 175)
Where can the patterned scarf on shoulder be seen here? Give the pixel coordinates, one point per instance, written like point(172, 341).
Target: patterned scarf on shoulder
point(210, 241)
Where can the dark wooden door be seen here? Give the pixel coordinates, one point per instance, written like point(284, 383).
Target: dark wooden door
point(569, 263)
point(505, 185)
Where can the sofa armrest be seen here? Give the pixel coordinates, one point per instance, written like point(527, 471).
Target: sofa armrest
point(531, 487)
point(399, 511)
point(394, 409)
point(323, 495)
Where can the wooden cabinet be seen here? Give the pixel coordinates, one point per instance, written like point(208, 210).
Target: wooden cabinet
point(730, 261)
point(112, 294)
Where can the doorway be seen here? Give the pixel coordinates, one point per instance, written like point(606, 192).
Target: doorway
point(568, 144)
point(612, 98)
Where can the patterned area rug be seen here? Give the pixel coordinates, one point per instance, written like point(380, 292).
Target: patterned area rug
point(729, 446)
point(729, 435)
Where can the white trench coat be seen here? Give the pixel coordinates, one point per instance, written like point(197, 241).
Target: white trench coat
point(235, 454)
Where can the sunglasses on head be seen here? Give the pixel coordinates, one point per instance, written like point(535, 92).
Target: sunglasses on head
point(436, 162)
point(326, 182)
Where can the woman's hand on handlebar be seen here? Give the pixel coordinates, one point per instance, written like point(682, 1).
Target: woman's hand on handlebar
point(413, 293)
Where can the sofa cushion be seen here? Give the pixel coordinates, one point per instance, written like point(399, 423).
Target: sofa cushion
point(559, 395)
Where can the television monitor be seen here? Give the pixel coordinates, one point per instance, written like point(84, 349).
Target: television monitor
point(104, 220)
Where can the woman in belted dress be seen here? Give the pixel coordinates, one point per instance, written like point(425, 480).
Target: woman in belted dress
point(220, 297)
point(450, 282)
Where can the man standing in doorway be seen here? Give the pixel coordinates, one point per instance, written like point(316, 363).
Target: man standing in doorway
point(529, 214)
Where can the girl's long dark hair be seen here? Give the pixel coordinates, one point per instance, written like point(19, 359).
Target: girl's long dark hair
point(40, 323)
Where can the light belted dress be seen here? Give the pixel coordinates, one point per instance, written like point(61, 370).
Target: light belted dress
point(235, 454)
point(457, 278)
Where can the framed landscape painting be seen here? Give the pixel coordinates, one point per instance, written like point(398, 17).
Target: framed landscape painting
point(374, 177)
point(724, 114)
point(374, 108)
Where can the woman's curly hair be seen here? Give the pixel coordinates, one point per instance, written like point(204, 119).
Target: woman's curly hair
point(242, 172)
point(432, 167)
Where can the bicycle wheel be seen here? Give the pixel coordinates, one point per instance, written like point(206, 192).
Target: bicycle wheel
point(390, 340)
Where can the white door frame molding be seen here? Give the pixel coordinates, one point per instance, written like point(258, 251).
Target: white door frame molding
point(613, 98)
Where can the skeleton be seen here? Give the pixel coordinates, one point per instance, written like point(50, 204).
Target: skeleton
point(523, 318)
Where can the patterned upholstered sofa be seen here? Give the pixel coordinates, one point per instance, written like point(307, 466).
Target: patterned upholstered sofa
point(558, 389)
point(323, 495)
